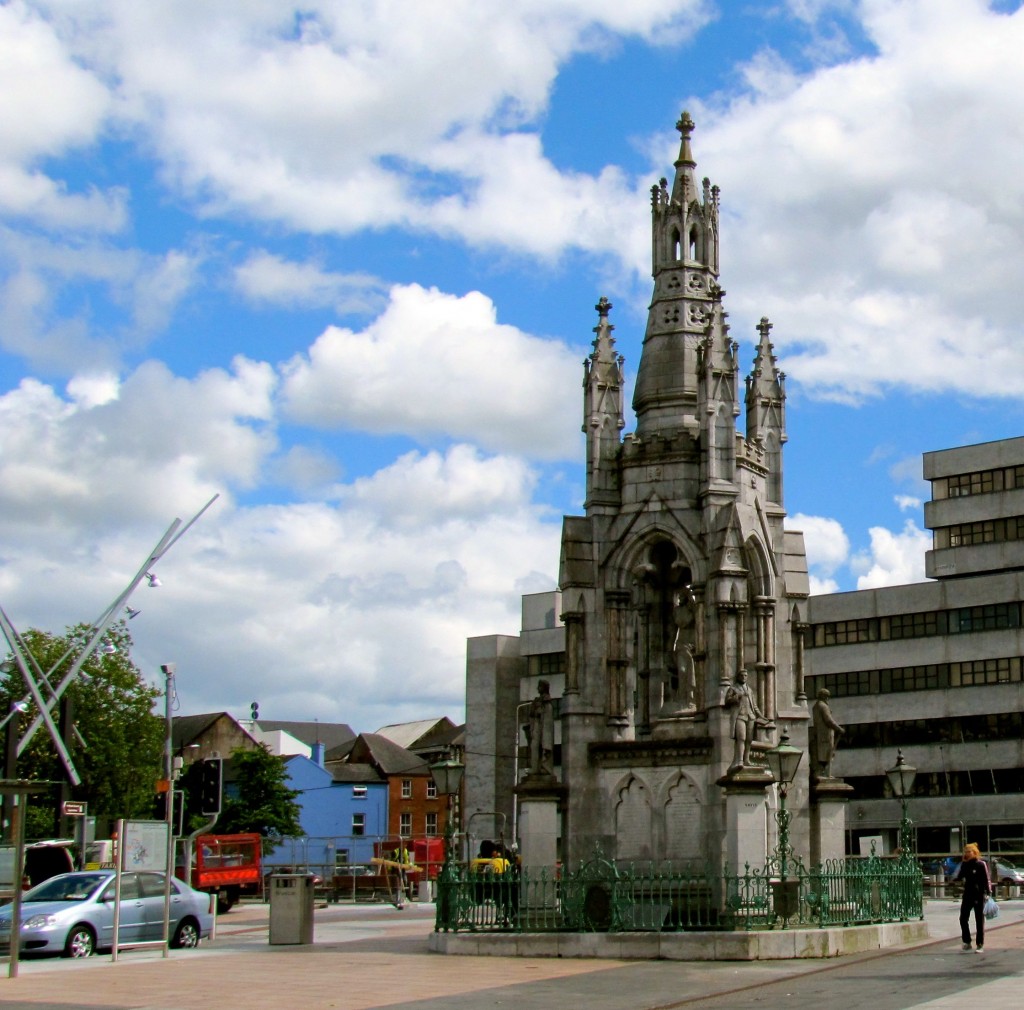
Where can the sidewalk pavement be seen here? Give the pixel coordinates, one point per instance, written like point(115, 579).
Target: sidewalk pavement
point(366, 957)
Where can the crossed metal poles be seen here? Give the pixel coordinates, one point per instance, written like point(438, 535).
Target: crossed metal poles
point(40, 687)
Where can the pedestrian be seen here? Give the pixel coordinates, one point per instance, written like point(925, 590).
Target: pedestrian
point(977, 887)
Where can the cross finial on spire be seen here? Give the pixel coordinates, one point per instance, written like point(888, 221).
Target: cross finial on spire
point(603, 307)
point(764, 327)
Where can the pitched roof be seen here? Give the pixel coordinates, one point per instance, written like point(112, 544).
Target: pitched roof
point(330, 734)
point(387, 756)
point(357, 773)
point(186, 728)
point(421, 733)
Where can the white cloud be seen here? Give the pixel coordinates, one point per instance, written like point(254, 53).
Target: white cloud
point(894, 559)
point(859, 200)
point(51, 105)
point(826, 543)
point(265, 278)
point(905, 502)
point(338, 117)
point(54, 296)
point(116, 454)
point(436, 363)
point(357, 612)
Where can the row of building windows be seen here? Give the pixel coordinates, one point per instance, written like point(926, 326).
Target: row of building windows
point(955, 621)
point(925, 677)
point(405, 825)
point(955, 729)
point(980, 482)
point(407, 789)
point(988, 531)
point(546, 664)
point(980, 782)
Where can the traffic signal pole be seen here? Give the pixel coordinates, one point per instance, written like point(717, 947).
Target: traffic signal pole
point(169, 698)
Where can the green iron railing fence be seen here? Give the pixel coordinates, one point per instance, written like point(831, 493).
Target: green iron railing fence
point(603, 896)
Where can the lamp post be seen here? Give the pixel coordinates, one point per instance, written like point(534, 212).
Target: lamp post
point(783, 761)
point(447, 776)
point(901, 778)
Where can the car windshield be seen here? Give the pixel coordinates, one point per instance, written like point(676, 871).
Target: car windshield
point(70, 887)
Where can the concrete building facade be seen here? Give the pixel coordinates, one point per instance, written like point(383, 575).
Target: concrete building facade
point(937, 668)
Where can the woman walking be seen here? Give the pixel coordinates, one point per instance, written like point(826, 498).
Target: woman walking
point(977, 887)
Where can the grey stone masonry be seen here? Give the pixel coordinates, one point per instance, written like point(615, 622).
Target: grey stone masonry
point(680, 575)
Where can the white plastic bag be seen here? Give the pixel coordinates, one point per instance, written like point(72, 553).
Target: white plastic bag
point(991, 908)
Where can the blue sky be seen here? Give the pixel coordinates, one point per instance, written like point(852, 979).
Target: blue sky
point(337, 263)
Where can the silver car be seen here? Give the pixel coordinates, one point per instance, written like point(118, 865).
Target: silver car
point(73, 914)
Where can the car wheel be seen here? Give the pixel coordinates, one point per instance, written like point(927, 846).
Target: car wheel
point(187, 934)
point(81, 941)
point(225, 901)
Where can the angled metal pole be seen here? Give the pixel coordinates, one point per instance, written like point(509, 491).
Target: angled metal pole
point(44, 711)
point(31, 670)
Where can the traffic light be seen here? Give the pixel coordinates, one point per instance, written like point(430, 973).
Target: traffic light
point(178, 811)
point(210, 780)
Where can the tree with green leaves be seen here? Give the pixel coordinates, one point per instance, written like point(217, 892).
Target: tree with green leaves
point(263, 802)
point(117, 748)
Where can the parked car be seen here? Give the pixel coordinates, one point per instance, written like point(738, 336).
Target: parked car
point(1003, 872)
point(73, 914)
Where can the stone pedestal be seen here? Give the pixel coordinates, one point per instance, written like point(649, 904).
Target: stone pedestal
point(746, 819)
point(829, 798)
point(540, 800)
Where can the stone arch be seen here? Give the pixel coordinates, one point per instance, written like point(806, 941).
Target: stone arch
point(695, 243)
point(633, 819)
point(675, 245)
point(761, 576)
point(626, 558)
point(682, 810)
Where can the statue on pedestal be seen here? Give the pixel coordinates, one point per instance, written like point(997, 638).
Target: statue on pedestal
point(826, 735)
point(746, 718)
point(540, 731)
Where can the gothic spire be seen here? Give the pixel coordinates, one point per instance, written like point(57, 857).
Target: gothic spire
point(684, 262)
point(602, 413)
point(766, 408)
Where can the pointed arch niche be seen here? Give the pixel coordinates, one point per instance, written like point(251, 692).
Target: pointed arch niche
point(661, 576)
point(684, 820)
point(759, 629)
point(633, 822)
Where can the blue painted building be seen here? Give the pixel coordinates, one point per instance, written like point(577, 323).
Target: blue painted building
point(343, 812)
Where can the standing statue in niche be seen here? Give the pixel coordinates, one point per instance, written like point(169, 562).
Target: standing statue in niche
point(685, 616)
point(746, 718)
point(540, 731)
point(826, 735)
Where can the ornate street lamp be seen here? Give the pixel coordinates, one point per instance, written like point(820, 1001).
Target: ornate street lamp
point(901, 778)
point(447, 776)
point(783, 761)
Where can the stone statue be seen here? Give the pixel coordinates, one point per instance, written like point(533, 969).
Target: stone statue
point(541, 731)
point(685, 616)
point(746, 718)
point(826, 734)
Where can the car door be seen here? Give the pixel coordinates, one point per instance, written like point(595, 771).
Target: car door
point(152, 885)
point(130, 924)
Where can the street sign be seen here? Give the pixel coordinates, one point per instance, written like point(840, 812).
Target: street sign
point(74, 808)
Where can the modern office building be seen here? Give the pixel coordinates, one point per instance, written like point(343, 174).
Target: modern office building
point(935, 668)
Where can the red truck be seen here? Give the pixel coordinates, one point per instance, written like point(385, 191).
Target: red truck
point(226, 865)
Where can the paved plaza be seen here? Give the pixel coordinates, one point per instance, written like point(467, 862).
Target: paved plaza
point(367, 956)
